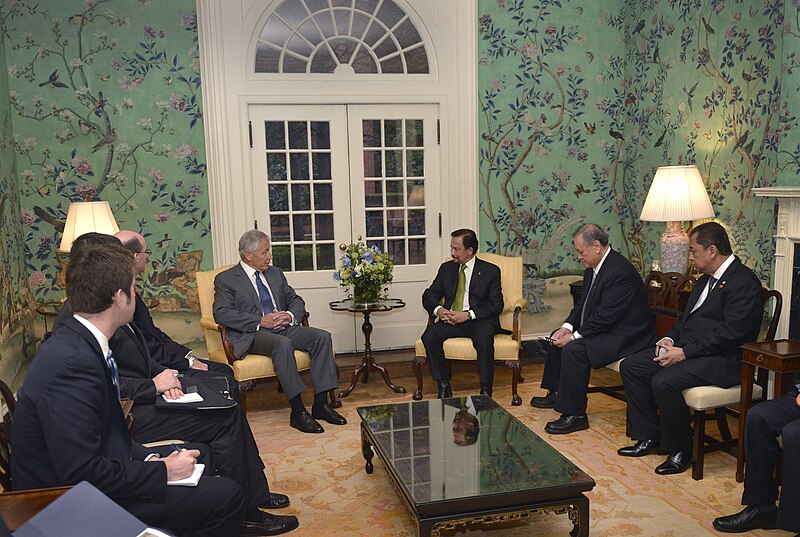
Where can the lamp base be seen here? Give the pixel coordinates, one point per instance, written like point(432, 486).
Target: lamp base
point(674, 248)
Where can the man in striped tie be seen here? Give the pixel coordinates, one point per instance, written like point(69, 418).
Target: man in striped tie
point(466, 298)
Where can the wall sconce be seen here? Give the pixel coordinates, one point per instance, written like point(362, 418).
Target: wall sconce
point(83, 217)
point(676, 195)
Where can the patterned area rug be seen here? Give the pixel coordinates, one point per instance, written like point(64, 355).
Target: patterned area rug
point(332, 494)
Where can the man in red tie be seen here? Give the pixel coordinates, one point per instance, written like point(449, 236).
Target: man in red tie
point(466, 298)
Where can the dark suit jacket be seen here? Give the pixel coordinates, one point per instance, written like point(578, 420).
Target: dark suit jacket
point(136, 367)
point(163, 349)
point(68, 424)
point(485, 290)
point(730, 315)
point(238, 307)
point(618, 320)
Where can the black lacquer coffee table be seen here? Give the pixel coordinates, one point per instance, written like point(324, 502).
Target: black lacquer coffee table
point(464, 462)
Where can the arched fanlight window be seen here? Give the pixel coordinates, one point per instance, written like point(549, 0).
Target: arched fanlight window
point(340, 36)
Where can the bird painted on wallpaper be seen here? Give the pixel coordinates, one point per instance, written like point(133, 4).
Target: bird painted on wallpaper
point(656, 56)
point(747, 76)
point(590, 127)
point(160, 278)
point(163, 243)
point(616, 135)
point(52, 81)
point(99, 105)
point(47, 216)
point(660, 139)
point(580, 189)
point(589, 57)
point(107, 140)
point(741, 141)
point(690, 94)
point(639, 27)
point(87, 126)
point(707, 26)
point(561, 211)
point(79, 19)
point(749, 147)
point(103, 77)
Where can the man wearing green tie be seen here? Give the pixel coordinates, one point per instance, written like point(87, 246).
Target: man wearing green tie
point(466, 299)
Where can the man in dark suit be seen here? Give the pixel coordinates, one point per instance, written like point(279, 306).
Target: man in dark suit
point(612, 319)
point(724, 310)
point(226, 431)
point(163, 349)
point(466, 298)
point(765, 422)
point(263, 315)
point(68, 424)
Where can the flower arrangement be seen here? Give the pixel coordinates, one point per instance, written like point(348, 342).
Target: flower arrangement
point(366, 270)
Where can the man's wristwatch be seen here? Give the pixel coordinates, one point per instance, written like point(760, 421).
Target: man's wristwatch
point(191, 359)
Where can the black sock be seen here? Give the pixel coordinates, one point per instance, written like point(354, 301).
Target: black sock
point(296, 403)
point(320, 400)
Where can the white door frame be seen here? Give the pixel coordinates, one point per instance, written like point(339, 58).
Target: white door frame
point(225, 29)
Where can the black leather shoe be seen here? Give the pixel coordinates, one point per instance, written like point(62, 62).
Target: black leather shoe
point(567, 424)
point(751, 517)
point(548, 401)
point(639, 449)
point(444, 389)
point(269, 525)
point(275, 501)
point(305, 423)
point(676, 463)
point(328, 414)
point(486, 389)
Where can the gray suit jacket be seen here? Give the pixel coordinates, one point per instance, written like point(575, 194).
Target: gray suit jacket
point(238, 307)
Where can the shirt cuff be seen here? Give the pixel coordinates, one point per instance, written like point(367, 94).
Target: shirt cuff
point(471, 314)
point(150, 456)
point(576, 335)
point(294, 321)
point(567, 326)
point(436, 309)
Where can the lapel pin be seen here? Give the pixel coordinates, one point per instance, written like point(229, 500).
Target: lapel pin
point(722, 284)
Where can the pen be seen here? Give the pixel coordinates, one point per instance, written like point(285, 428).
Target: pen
point(175, 447)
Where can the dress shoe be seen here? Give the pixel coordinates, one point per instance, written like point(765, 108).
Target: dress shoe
point(269, 525)
point(567, 424)
point(752, 517)
point(445, 390)
point(548, 401)
point(676, 463)
point(486, 389)
point(639, 449)
point(275, 501)
point(328, 414)
point(305, 423)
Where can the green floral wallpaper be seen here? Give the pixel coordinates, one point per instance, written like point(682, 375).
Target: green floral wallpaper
point(105, 98)
point(788, 133)
point(581, 101)
point(16, 317)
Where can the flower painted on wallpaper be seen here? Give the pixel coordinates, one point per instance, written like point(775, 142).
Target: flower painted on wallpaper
point(157, 175)
point(115, 65)
point(45, 247)
point(36, 280)
point(560, 69)
point(704, 56)
point(484, 22)
point(27, 217)
point(149, 32)
point(550, 30)
point(177, 102)
point(189, 21)
point(496, 84)
point(194, 190)
point(601, 104)
point(501, 4)
point(697, 124)
point(163, 217)
point(86, 190)
point(81, 165)
point(530, 50)
point(630, 99)
point(186, 151)
point(507, 143)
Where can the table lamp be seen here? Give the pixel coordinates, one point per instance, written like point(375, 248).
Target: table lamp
point(676, 195)
point(83, 217)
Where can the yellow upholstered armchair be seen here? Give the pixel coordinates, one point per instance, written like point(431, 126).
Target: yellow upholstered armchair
point(506, 347)
point(253, 366)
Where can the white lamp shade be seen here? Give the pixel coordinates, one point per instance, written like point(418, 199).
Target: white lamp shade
point(677, 194)
point(84, 217)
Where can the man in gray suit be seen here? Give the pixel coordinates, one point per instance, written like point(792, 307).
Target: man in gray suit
point(263, 315)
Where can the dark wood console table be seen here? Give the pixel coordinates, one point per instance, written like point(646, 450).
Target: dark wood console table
point(368, 361)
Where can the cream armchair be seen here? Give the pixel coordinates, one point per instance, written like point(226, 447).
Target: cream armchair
point(506, 347)
point(253, 366)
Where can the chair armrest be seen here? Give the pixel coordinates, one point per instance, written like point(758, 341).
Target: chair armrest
point(208, 323)
point(515, 332)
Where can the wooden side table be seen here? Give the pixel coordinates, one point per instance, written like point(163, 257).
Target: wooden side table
point(782, 357)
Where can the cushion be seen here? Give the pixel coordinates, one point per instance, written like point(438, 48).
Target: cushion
point(460, 348)
point(708, 397)
point(255, 366)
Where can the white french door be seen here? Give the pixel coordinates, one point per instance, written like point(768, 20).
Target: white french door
point(328, 175)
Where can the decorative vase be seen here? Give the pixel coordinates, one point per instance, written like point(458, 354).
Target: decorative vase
point(365, 293)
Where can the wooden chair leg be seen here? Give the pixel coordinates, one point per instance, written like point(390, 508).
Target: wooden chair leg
point(698, 443)
point(416, 366)
point(335, 403)
point(516, 376)
point(722, 423)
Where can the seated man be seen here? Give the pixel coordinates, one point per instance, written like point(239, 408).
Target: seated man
point(724, 310)
point(68, 424)
point(473, 301)
point(163, 349)
point(611, 320)
point(765, 422)
point(226, 430)
point(263, 315)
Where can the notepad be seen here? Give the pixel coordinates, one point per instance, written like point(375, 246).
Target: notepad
point(152, 532)
point(185, 398)
point(192, 480)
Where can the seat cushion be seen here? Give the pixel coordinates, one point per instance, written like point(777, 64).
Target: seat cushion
point(614, 366)
point(255, 366)
point(460, 348)
point(708, 397)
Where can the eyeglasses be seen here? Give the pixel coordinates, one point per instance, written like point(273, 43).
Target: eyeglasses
point(148, 252)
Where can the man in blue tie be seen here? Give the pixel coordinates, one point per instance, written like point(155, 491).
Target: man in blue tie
point(263, 315)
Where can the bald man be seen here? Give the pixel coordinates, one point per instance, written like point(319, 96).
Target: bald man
point(163, 349)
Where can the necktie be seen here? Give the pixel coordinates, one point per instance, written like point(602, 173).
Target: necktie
point(586, 301)
point(112, 366)
point(458, 300)
point(263, 293)
point(712, 281)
